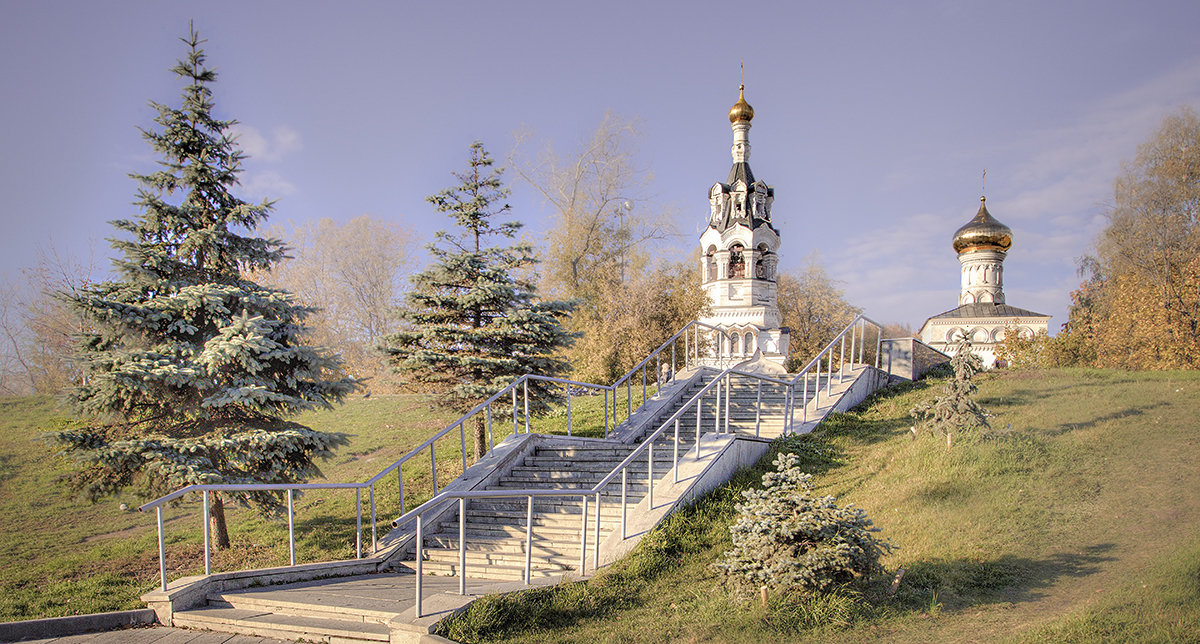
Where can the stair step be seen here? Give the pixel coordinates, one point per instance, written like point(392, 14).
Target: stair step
point(267, 624)
point(488, 559)
point(503, 573)
point(505, 544)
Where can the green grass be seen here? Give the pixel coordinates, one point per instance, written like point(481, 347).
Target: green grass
point(1077, 519)
point(61, 555)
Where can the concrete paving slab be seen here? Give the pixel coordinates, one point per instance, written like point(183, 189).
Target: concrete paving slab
point(156, 635)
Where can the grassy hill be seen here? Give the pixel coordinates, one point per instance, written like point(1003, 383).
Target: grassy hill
point(1078, 521)
point(60, 555)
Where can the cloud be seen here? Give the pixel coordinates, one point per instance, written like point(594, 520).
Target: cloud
point(266, 184)
point(282, 141)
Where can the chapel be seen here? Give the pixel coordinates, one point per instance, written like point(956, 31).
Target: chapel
point(982, 313)
point(738, 261)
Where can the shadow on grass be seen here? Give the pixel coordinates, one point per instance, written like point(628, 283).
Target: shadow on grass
point(959, 583)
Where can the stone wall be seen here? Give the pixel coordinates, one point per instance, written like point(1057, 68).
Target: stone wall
point(909, 358)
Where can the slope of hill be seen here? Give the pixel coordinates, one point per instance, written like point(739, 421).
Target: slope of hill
point(1078, 520)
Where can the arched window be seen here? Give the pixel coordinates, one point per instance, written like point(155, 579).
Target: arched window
point(748, 343)
point(737, 262)
point(710, 264)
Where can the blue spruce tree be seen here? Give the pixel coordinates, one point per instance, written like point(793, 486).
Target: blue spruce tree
point(474, 321)
point(193, 368)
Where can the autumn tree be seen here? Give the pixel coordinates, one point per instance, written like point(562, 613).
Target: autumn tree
point(474, 322)
point(354, 273)
point(597, 196)
point(1143, 301)
point(192, 369)
point(599, 250)
point(815, 311)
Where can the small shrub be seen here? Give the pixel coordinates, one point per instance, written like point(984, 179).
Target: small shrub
point(790, 540)
point(956, 409)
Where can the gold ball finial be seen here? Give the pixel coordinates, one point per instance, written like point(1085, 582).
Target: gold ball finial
point(741, 110)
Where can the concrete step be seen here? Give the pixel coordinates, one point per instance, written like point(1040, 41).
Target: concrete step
point(488, 559)
point(559, 507)
point(506, 544)
point(518, 518)
point(258, 623)
point(502, 573)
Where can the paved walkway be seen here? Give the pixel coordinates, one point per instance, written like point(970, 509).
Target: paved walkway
point(155, 635)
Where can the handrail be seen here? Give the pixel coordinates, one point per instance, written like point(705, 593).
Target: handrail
point(692, 355)
point(483, 407)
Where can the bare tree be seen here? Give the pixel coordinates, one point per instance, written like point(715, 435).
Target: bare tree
point(814, 309)
point(355, 273)
point(37, 325)
point(602, 218)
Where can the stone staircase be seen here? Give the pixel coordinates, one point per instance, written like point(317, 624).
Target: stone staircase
point(380, 606)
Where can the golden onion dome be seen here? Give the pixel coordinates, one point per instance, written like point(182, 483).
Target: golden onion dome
point(741, 110)
point(983, 232)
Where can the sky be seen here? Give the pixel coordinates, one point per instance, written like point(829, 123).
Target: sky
point(874, 120)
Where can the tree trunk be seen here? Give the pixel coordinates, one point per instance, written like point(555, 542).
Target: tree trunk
point(481, 444)
point(217, 513)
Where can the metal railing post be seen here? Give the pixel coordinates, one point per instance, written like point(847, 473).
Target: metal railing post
point(462, 443)
point(606, 413)
point(291, 531)
point(374, 535)
point(853, 338)
point(433, 468)
point(758, 410)
point(528, 539)
point(624, 488)
point(596, 548)
point(489, 426)
point(420, 551)
point(400, 477)
point(358, 523)
point(462, 546)
point(842, 360)
point(207, 538)
point(162, 549)
point(717, 407)
point(650, 476)
point(643, 384)
point(829, 380)
point(804, 399)
point(728, 386)
point(583, 538)
point(525, 385)
point(568, 409)
point(699, 410)
point(516, 425)
point(675, 456)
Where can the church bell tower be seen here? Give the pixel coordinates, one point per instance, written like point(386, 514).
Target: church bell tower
point(738, 260)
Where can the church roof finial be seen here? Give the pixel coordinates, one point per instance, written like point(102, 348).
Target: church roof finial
point(741, 110)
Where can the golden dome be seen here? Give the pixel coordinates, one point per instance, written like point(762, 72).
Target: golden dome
point(983, 232)
point(741, 110)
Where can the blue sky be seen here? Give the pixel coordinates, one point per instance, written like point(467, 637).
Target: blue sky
point(874, 120)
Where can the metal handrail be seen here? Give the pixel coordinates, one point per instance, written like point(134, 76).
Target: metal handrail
point(483, 407)
point(691, 349)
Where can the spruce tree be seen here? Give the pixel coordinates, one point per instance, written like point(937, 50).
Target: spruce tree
point(474, 321)
point(956, 409)
point(193, 368)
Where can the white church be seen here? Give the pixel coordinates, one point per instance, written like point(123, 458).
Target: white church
point(982, 313)
point(738, 261)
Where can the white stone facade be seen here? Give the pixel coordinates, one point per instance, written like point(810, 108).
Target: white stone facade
point(739, 259)
point(982, 314)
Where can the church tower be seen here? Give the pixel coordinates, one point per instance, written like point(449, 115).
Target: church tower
point(982, 314)
point(738, 259)
point(981, 245)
